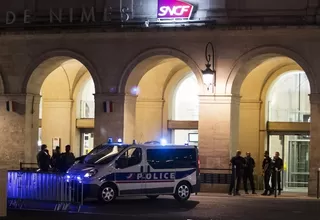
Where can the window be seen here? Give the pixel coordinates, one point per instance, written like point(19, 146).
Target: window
point(129, 158)
point(186, 100)
point(288, 98)
point(160, 158)
point(172, 158)
point(185, 158)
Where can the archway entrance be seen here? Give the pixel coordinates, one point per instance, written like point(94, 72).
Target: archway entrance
point(275, 116)
point(167, 104)
point(66, 87)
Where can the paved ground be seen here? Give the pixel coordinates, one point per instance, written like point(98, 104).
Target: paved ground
point(202, 207)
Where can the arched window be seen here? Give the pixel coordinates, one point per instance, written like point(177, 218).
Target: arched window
point(186, 99)
point(186, 108)
point(288, 98)
point(87, 109)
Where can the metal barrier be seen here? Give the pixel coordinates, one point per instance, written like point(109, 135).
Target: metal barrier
point(26, 186)
point(215, 176)
point(29, 166)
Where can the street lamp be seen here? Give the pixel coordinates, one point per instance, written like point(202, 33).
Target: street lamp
point(209, 75)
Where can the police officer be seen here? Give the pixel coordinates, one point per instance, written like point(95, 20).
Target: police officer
point(277, 166)
point(68, 159)
point(237, 163)
point(266, 167)
point(43, 159)
point(248, 173)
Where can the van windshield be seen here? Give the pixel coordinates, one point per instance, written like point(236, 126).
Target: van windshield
point(101, 153)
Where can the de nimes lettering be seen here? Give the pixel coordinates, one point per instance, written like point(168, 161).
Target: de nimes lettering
point(70, 15)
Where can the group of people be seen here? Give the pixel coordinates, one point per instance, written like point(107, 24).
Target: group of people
point(59, 162)
point(243, 168)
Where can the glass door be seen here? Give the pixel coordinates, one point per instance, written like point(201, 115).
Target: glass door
point(87, 142)
point(294, 150)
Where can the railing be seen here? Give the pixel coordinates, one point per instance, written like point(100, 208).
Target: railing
point(28, 166)
point(215, 176)
point(25, 186)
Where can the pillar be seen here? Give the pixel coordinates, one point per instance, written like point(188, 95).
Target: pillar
point(249, 128)
point(218, 129)
point(31, 128)
point(56, 122)
point(14, 134)
point(149, 120)
point(3, 192)
point(314, 154)
point(117, 123)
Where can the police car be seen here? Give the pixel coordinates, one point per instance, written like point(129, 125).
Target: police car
point(116, 169)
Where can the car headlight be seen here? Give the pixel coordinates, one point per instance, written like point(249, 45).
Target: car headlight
point(91, 173)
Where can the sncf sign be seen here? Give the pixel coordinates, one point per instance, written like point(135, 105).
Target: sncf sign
point(171, 9)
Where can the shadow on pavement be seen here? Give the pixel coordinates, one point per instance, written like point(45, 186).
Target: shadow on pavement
point(141, 206)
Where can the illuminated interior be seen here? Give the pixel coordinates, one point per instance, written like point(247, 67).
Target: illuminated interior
point(67, 96)
point(280, 95)
point(167, 91)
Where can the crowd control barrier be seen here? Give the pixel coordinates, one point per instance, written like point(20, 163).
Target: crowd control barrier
point(29, 166)
point(27, 186)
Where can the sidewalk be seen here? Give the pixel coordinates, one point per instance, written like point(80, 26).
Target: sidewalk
point(286, 195)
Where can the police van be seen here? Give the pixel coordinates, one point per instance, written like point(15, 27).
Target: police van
point(117, 169)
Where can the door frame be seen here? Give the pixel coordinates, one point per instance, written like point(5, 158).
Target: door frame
point(282, 134)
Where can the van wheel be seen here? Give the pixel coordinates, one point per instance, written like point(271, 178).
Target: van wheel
point(183, 192)
point(153, 197)
point(107, 193)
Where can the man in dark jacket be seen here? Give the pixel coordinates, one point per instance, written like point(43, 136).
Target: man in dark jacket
point(43, 159)
point(68, 159)
point(277, 166)
point(266, 167)
point(57, 160)
point(248, 173)
point(237, 162)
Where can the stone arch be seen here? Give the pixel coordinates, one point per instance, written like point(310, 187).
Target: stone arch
point(146, 60)
point(251, 59)
point(39, 69)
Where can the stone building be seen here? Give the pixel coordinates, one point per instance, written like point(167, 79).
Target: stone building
point(78, 72)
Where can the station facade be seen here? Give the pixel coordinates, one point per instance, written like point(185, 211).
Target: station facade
point(79, 73)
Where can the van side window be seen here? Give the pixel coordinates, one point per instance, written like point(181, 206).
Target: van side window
point(160, 158)
point(185, 158)
point(129, 158)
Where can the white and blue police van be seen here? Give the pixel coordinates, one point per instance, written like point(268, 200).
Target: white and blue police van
point(114, 170)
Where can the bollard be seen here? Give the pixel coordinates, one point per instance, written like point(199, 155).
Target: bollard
point(235, 180)
point(318, 184)
point(275, 182)
point(3, 192)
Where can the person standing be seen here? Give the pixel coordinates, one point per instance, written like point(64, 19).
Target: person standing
point(43, 159)
point(68, 159)
point(277, 166)
point(248, 173)
point(266, 167)
point(237, 162)
point(56, 160)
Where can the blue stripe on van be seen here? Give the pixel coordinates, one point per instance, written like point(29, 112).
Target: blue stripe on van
point(149, 177)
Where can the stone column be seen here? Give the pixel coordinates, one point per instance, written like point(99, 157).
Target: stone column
point(120, 123)
point(12, 130)
point(3, 192)
point(31, 127)
point(149, 121)
point(218, 129)
point(314, 143)
point(249, 129)
point(56, 122)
